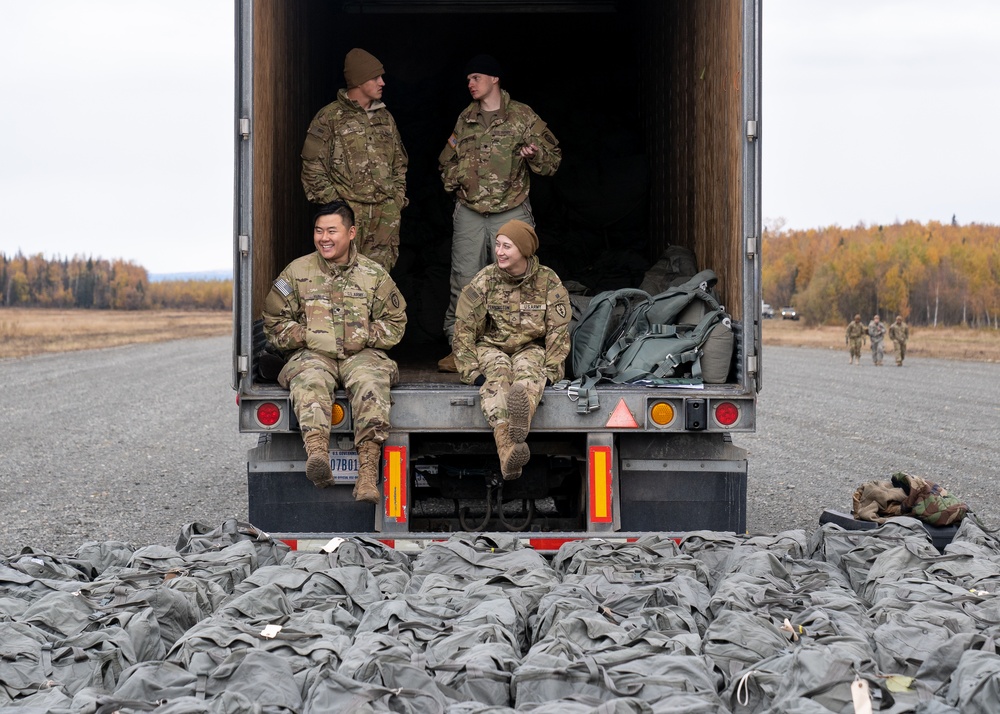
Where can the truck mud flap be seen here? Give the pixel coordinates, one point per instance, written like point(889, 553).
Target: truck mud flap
point(287, 502)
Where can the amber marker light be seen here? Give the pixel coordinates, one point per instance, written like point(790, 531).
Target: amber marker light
point(727, 413)
point(662, 413)
point(268, 414)
point(338, 414)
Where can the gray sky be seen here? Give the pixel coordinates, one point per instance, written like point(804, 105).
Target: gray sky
point(116, 123)
point(880, 111)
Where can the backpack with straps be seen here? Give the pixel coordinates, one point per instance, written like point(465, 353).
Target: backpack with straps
point(631, 337)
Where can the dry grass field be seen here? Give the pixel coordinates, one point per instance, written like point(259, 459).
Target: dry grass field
point(30, 331)
point(944, 342)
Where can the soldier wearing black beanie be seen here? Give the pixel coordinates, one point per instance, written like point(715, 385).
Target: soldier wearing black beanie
point(486, 165)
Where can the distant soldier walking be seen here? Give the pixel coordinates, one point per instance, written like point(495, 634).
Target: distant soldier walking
point(899, 333)
point(876, 333)
point(855, 338)
point(353, 153)
point(334, 311)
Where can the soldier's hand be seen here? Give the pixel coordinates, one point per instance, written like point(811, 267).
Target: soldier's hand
point(529, 151)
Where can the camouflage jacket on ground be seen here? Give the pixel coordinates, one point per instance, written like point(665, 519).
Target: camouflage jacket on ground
point(876, 331)
point(929, 501)
point(335, 310)
point(510, 313)
point(354, 155)
point(482, 165)
point(856, 330)
point(899, 333)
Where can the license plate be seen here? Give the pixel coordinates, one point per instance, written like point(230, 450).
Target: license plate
point(344, 465)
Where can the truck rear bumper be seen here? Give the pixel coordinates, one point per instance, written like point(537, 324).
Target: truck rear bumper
point(615, 482)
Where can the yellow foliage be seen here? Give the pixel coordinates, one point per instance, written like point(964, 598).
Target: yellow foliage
point(931, 274)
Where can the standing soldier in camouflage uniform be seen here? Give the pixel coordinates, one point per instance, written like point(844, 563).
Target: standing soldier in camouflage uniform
point(485, 163)
point(353, 153)
point(876, 333)
point(512, 338)
point(899, 333)
point(336, 311)
point(855, 338)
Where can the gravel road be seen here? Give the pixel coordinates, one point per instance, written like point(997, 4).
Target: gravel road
point(134, 442)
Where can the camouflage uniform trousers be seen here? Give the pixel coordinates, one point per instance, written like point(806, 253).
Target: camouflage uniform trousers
point(365, 376)
point(900, 347)
point(501, 370)
point(878, 350)
point(856, 343)
point(472, 248)
point(378, 231)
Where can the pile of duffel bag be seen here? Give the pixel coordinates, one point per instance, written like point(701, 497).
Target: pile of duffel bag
point(231, 621)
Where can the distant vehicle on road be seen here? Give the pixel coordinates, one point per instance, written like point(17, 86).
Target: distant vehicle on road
point(789, 313)
point(766, 311)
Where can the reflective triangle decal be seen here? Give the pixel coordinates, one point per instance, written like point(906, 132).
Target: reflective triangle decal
point(621, 417)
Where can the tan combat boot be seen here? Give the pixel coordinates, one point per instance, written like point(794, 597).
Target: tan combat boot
point(520, 409)
point(512, 456)
point(366, 487)
point(318, 458)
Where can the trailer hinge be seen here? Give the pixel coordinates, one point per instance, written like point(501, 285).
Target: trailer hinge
point(244, 128)
point(752, 246)
point(751, 364)
point(244, 244)
point(242, 364)
point(752, 130)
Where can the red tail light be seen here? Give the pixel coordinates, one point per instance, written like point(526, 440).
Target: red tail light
point(727, 413)
point(268, 414)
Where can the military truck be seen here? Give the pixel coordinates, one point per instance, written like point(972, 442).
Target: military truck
point(656, 105)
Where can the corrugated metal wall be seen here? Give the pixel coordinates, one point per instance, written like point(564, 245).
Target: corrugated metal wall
point(280, 118)
point(693, 120)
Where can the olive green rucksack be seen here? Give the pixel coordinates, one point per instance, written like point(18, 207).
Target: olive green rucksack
point(682, 335)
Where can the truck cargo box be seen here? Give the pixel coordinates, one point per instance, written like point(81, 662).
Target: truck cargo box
point(656, 106)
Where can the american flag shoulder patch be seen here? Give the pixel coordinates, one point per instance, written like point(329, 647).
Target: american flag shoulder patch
point(283, 287)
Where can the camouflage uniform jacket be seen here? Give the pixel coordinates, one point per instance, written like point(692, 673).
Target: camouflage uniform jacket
point(511, 313)
point(482, 165)
point(354, 154)
point(334, 310)
point(899, 333)
point(876, 331)
point(856, 330)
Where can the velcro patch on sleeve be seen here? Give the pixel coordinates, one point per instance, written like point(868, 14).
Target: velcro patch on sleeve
point(283, 287)
point(453, 140)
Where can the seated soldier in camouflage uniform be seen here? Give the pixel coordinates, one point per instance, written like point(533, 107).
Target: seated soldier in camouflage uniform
point(512, 339)
point(335, 311)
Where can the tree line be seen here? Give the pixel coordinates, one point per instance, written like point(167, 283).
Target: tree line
point(933, 274)
point(96, 283)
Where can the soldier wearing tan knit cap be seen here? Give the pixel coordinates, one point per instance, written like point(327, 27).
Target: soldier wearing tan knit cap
point(353, 153)
point(522, 235)
point(512, 338)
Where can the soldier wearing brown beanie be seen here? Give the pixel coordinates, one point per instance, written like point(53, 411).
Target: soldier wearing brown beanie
point(512, 339)
point(486, 163)
point(353, 153)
